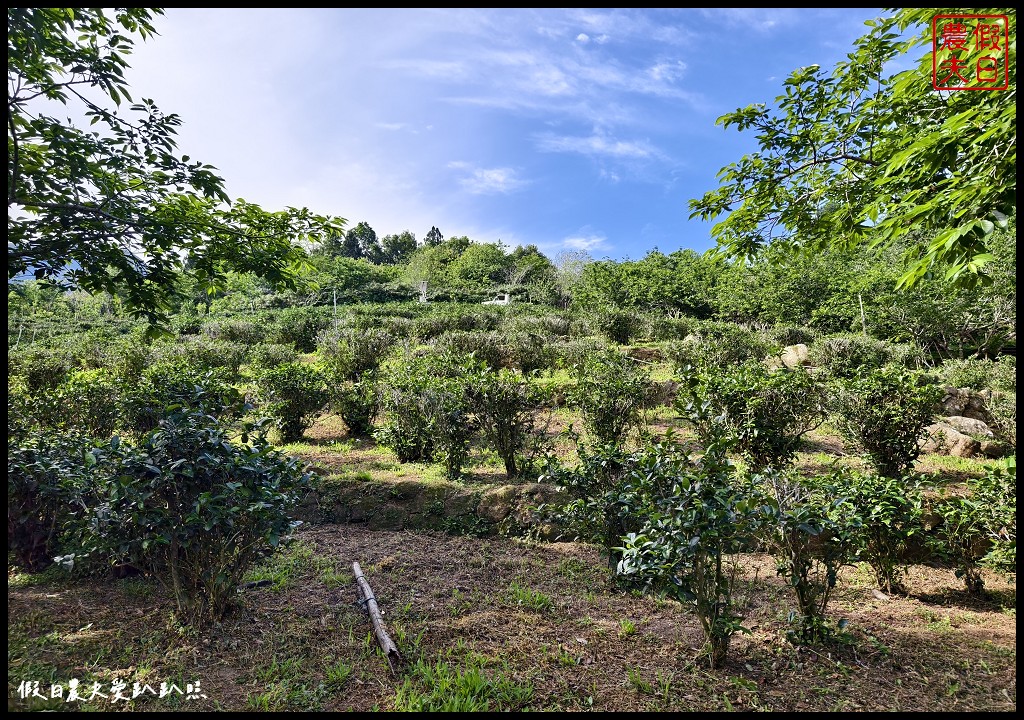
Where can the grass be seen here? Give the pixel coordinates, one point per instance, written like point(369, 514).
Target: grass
point(440, 686)
point(528, 598)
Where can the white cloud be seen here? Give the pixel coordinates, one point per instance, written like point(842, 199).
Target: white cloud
point(760, 20)
point(583, 38)
point(667, 71)
point(586, 242)
point(393, 126)
point(488, 181)
point(598, 145)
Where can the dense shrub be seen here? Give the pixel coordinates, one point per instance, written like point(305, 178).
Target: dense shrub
point(884, 412)
point(484, 346)
point(89, 402)
point(610, 390)
point(571, 353)
point(715, 344)
point(192, 507)
point(293, 395)
point(980, 374)
point(766, 410)
point(671, 328)
point(617, 325)
point(43, 368)
point(1002, 407)
point(352, 353)
point(515, 350)
point(548, 325)
point(847, 355)
point(508, 410)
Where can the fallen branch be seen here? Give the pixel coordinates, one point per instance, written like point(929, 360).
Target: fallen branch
point(369, 603)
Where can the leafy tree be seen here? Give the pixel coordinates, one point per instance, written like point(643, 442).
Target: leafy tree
point(531, 270)
point(115, 208)
point(433, 238)
point(569, 266)
point(480, 266)
point(361, 242)
point(859, 156)
point(397, 249)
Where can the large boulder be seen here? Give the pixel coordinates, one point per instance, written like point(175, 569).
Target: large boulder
point(944, 439)
point(964, 402)
point(970, 426)
point(795, 355)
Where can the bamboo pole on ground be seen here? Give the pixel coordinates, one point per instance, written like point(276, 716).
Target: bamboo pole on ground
point(369, 602)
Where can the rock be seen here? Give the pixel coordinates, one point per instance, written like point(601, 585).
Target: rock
point(795, 355)
point(964, 402)
point(969, 426)
point(497, 504)
point(994, 449)
point(944, 439)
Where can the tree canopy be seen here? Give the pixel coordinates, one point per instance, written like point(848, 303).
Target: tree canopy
point(111, 206)
point(862, 156)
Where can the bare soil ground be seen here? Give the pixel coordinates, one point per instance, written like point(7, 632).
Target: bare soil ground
point(540, 623)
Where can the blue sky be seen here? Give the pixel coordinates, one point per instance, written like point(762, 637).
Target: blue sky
point(570, 129)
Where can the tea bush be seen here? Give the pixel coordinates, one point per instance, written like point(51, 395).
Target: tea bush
point(884, 413)
point(848, 355)
point(293, 395)
point(811, 528)
point(191, 507)
point(694, 519)
point(356, 403)
point(425, 409)
point(509, 411)
point(766, 410)
point(263, 356)
point(352, 353)
point(715, 344)
point(890, 517)
point(611, 391)
point(178, 385)
point(45, 488)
